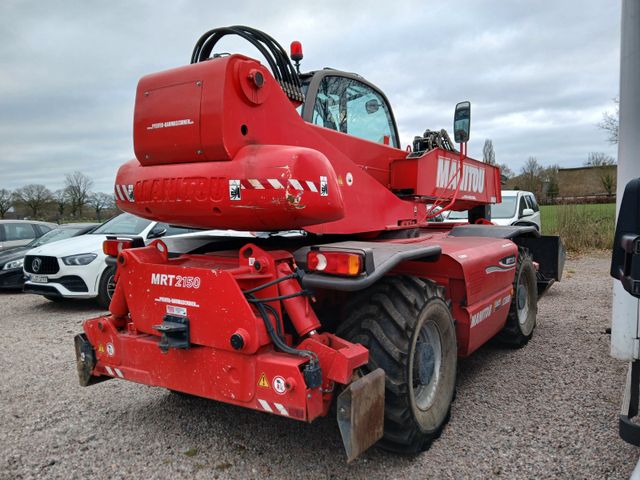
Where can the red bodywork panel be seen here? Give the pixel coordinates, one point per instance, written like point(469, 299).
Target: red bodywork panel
point(213, 150)
point(208, 290)
point(477, 281)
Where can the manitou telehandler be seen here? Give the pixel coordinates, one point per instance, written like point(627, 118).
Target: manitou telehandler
point(344, 289)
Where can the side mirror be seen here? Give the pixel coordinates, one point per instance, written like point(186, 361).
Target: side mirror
point(462, 122)
point(156, 232)
point(372, 106)
point(527, 212)
point(625, 260)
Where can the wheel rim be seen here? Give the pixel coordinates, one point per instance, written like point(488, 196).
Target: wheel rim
point(111, 286)
point(426, 365)
point(523, 304)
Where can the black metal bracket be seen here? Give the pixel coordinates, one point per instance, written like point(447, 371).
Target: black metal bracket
point(630, 244)
point(630, 431)
point(175, 332)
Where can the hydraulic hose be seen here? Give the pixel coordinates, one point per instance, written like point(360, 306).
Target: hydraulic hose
point(275, 55)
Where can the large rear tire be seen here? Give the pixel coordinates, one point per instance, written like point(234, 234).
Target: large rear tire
point(407, 327)
point(521, 321)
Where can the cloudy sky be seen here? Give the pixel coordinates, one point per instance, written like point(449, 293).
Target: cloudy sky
point(539, 74)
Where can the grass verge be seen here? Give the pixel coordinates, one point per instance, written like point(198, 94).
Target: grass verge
point(581, 227)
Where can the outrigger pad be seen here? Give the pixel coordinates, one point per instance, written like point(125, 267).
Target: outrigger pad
point(86, 361)
point(361, 413)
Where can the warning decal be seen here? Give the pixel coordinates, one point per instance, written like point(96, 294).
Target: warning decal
point(263, 382)
point(279, 385)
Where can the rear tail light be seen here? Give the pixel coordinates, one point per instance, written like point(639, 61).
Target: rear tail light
point(113, 247)
point(335, 263)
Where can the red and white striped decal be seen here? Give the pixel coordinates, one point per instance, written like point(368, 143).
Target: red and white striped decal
point(114, 372)
point(124, 193)
point(236, 186)
point(275, 184)
point(276, 408)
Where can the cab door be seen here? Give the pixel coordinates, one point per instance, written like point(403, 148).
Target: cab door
point(349, 104)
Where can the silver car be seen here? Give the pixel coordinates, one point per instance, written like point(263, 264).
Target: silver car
point(16, 233)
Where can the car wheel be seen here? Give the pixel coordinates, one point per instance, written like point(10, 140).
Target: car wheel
point(106, 287)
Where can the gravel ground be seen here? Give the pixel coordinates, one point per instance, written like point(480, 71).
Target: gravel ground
point(547, 410)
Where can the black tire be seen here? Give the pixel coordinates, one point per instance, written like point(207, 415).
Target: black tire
point(106, 287)
point(407, 327)
point(53, 298)
point(521, 321)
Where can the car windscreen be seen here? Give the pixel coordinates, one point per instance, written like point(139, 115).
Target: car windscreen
point(54, 235)
point(506, 209)
point(125, 224)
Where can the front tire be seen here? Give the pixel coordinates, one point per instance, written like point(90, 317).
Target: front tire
point(106, 287)
point(407, 327)
point(521, 321)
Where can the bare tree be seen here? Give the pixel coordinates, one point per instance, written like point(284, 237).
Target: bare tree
point(531, 174)
point(599, 159)
point(35, 197)
point(488, 154)
point(610, 122)
point(77, 187)
point(6, 201)
point(100, 202)
point(505, 170)
point(60, 199)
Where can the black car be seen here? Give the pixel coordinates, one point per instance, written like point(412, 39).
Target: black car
point(11, 274)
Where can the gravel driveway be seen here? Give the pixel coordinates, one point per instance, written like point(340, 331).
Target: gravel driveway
point(548, 410)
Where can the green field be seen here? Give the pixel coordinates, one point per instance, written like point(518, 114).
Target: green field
point(581, 227)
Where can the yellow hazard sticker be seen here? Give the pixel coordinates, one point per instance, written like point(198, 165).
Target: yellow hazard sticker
point(263, 382)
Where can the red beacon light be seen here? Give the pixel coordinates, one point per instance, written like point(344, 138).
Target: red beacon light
point(296, 53)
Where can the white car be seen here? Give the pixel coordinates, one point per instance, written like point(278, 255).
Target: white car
point(76, 267)
point(517, 208)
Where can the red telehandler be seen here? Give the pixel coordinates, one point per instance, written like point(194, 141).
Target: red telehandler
point(361, 299)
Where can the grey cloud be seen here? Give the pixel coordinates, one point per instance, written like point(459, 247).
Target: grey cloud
point(539, 74)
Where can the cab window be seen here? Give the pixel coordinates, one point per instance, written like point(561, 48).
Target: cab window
point(349, 106)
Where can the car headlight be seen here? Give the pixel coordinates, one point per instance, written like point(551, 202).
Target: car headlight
point(13, 264)
point(81, 259)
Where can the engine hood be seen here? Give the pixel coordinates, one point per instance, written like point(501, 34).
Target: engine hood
point(71, 246)
point(13, 254)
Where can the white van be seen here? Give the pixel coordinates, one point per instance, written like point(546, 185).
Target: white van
point(517, 208)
